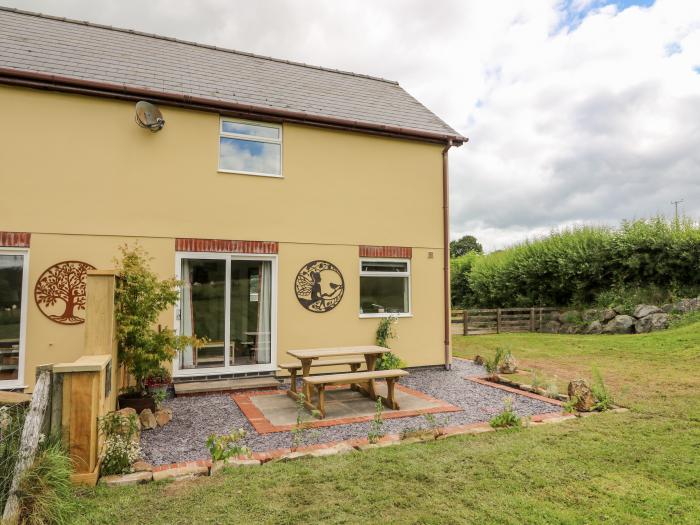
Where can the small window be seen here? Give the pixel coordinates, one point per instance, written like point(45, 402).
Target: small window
point(385, 287)
point(250, 148)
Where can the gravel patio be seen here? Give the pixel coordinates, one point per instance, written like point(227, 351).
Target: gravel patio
point(197, 417)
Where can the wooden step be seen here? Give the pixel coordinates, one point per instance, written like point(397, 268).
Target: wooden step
point(225, 385)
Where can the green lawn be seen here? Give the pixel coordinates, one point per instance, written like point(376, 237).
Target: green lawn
point(639, 467)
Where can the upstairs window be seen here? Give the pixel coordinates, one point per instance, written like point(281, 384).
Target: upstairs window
point(252, 148)
point(385, 287)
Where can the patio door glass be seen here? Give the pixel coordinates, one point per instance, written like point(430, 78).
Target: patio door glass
point(226, 300)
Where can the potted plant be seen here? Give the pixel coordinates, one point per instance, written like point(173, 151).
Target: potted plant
point(140, 298)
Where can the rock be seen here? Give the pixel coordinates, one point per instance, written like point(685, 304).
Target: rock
point(127, 413)
point(596, 327)
point(148, 420)
point(550, 327)
point(233, 462)
point(607, 315)
point(687, 305)
point(126, 479)
point(181, 473)
point(340, 448)
point(642, 310)
point(668, 308)
point(621, 324)
point(580, 390)
point(652, 323)
point(163, 416)
point(590, 315)
point(478, 360)
point(142, 466)
point(570, 329)
point(509, 365)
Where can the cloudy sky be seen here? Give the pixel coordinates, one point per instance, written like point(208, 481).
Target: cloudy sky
point(578, 111)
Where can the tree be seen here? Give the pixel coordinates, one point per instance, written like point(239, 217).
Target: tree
point(466, 244)
point(140, 299)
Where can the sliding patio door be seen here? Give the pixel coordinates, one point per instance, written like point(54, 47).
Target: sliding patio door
point(13, 314)
point(226, 300)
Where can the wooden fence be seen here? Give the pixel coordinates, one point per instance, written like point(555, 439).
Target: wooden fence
point(498, 320)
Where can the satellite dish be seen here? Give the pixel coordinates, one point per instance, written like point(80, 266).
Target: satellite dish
point(148, 116)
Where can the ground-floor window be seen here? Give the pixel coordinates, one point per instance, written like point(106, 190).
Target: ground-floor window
point(385, 287)
point(13, 302)
point(227, 300)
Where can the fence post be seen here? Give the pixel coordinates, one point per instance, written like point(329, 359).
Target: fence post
point(532, 318)
point(498, 321)
point(465, 322)
point(29, 442)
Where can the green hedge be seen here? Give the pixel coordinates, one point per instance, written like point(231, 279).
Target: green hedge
point(578, 266)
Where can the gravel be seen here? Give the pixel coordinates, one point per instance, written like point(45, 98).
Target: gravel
point(196, 417)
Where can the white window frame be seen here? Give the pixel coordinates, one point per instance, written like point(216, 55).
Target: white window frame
point(19, 382)
point(228, 368)
point(250, 138)
point(407, 274)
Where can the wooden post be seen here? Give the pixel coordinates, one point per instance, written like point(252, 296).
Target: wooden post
point(532, 319)
point(498, 321)
point(29, 443)
point(465, 322)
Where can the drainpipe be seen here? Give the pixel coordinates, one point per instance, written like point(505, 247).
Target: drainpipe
point(446, 253)
point(446, 250)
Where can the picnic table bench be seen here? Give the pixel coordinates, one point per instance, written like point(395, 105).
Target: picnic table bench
point(359, 381)
point(293, 369)
point(355, 379)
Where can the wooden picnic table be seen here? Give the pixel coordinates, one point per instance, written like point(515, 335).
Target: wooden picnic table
point(370, 353)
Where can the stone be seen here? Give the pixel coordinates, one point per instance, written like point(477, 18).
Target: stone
point(340, 448)
point(142, 466)
point(652, 323)
point(668, 308)
point(180, 473)
point(478, 360)
point(596, 327)
point(217, 466)
point(551, 327)
point(607, 315)
point(163, 416)
point(126, 412)
point(687, 305)
point(621, 324)
point(126, 479)
point(642, 310)
point(148, 420)
point(580, 390)
point(590, 315)
point(509, 365)
point(570, 329)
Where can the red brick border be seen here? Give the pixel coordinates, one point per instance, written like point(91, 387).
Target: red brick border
point(225, 246)
point(512, 390)
point(263, 426)
point(15, 239)
point(399, 252)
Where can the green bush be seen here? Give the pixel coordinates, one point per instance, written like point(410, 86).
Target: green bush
point(508, 418)
point(227, 446)
point(642, 259)
point(46, 494)
point(121, 448)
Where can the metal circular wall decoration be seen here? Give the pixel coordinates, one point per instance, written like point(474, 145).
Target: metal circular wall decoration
point(60, 291)
point(319, 286)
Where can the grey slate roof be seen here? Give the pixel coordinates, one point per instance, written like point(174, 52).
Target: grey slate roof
point(42, 44)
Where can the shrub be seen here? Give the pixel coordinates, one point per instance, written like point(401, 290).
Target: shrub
point(121, 448)
point(653, 258)
point(227, 446)
point(603, 398)
point(389, 361)
point(11, 422)
point(492, 365)
point(45, 490)
point(141, 297)
point(386, 331)
point(301, 428)
point(461, 292)
point(508, 418)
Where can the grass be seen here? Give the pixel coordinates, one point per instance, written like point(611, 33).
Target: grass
point(638, 467)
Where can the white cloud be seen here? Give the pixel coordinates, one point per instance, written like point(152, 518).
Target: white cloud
point(577, 111)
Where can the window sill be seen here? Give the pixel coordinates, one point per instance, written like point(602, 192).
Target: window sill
point(250, 173)
point(374, 316)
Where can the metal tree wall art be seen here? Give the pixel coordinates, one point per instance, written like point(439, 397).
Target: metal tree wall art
point(319, 286)
point(60, 291)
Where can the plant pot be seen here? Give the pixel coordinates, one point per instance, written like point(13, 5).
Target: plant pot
point(137, 402)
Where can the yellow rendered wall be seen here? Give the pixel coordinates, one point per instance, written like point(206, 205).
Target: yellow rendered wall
point(83, 178)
